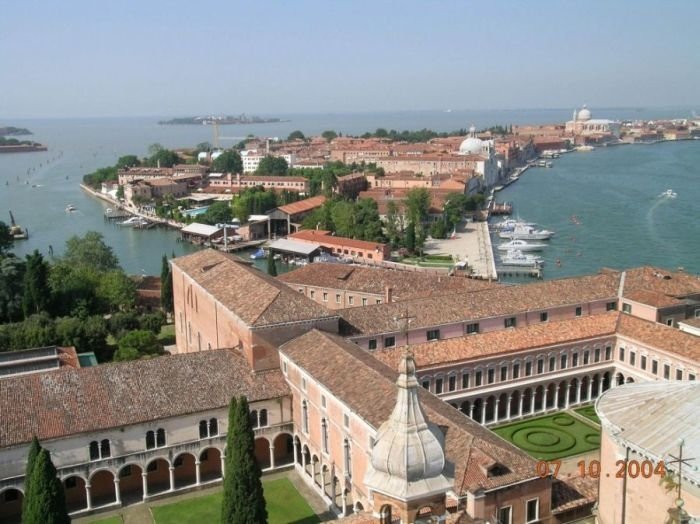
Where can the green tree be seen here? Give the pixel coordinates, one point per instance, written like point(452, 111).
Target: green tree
point(392, 225)
point(271, 266)
point(438, 229)
point(5, 238)
point(88, 334)
point(116, 290)
point(329, 135)
point(162, 157)
point(155, 148)
point(137, 344)
point(127, 161)
point(228, 162)
point(91, 251)
point(417, 204)
point(36, 289)
point(45, 500)
point(296, 135)
point(218, 213)
point(34, 450)
point(11, 288)
point(343, 214)
point(368, 225)
point(410, 237)
point(272, 166)
point(166, 286)
point(243, 500)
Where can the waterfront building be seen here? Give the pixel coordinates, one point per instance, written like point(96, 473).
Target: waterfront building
point(285, 219)
point(346, 248)
point(234, 183)
point(586, 129)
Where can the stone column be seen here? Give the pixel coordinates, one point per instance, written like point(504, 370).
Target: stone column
point(197, 472)
point(223, 464)
point(590, 389)
point(578, 392)
point(144, 483)
point(333, 490)
point(544, 400)
point(296, 455)
point(483, 413)
point(556, 397)
point(303, 460)
point(520, 406)
point(495, 410)
point(566, 401)
point(88, 496)
point(510, 399)
point(171, 470)
point(471, 411)
point(344, 502)
point(117, 491)
point(272, 456)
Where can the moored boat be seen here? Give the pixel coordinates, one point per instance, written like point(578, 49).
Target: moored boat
point(521, 245)
point(526, 233)
point(259, 254)
point(516, 257)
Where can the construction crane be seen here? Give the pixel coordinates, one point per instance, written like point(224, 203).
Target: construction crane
point(217, 137)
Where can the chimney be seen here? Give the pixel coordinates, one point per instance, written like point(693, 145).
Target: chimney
point(388, 294)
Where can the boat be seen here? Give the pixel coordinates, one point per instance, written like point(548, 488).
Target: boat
point(585, 148)
point(16, 231)
point(498, 188)
point(259, 254)
point(70, 208)
point(510, 224)
point(526, 233)
point(669, 193)
point(516, 257)
point(521, 245)
point(549, 164)
point(542, 163)
point(135, 222)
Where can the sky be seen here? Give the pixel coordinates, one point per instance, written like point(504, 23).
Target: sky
point(80, 58)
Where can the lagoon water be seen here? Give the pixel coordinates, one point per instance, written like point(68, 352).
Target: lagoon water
point(612, 190)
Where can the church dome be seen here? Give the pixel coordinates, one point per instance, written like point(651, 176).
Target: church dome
point(471, 146)
point(583, 114)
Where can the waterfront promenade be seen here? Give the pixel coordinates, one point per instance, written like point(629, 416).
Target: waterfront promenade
point(472, 243)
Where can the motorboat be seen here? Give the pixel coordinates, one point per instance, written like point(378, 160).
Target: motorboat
point(70, 208)
point(510, 224)
point(515, 257)
point(526, 233)
point(259, 254)
point(669, 193)
point(585, 148)
point(521, 245)
point(135, 222)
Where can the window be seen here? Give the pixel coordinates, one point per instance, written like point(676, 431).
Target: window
point(379, 301)
point(160, 438)
point(100, 450)
point(351, 300)
point(552, 363)
point(490, 375)
point(643, 362)
point(544, 316)
point(208, 428)
point(621, 354)
point(452, 383)
point(262, 417)
point(389, 342)
point(156, 439)
point(655, 367)
point(667, 371)
point(679, 374)
point(540, 366)
point(433, 334)
point(633, 358)
point(516, 370)
point(477, 378)
point(579, 310)
point(669, 322)
point(364, 301)
point(312, 293)
point(438, 386)
point(626, 308)
point(504, 373)
point(697, 313)
point(465, 380)
point(324, 435)
point(691, 376)
point(611, 306)
point(325, 296)
point(608, 352)
point(305, 417)
point(323, 401)
point(347, 459)
point(472, 328)
point(346, 420)
point(372, 343)
point(596, 355)
point(509, 322)
point(303, 383)
point(528, 368)
point(505, 515)
point(532, 510)
point(574, 360)
point(426, 384)
point(563, 360)
point(337, 299)
point(586, 357)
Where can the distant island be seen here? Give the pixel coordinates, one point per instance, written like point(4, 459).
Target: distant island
point(14, 131)
point(221, 120)
point(12, 145)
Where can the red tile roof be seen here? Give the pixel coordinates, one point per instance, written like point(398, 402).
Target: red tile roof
point(303, 205)
point(325, 237)
point(72, 401)
point(660, 336)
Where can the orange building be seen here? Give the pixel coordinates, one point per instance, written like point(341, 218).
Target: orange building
point(359, 250)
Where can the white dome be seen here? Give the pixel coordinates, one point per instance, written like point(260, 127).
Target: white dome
point(583, 114)
point(471, 146)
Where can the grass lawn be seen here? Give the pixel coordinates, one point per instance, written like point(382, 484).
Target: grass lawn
point(284, 504)
point(552, 436)
point(589, 413)
point(167, 334)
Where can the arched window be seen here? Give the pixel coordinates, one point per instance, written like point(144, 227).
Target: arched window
point(160, 437)
point(262, 418)
point(347, 458)
point(105, 449)
point(208, 428)
point(150, 440)
point(254, 418)
point(324, 435)
point(94, 450)
point(213, 427)
point(305, 417)
point(203, 429)
point(100, 450)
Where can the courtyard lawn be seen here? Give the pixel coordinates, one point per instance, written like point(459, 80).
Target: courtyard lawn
point(284, 504)
point(589, 413)
point(551, 437)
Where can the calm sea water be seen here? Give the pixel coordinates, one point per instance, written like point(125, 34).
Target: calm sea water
point(612, 190)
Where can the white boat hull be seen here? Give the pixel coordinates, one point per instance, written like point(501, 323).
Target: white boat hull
point(521, 247)
point(514, 235)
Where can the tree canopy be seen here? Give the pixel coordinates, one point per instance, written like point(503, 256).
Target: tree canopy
point(418, 204)
point(329, 135)
point(137, 344)
point(272, 166)
point(90, 251)
point(296, 135)
point(166, 286)
point(228, 162)
point(218, 213)
point(5, 238)
point(45, 500)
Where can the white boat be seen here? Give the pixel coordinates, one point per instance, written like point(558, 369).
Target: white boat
point(669, 193)
point(516, 257)
point(521, 245)
point(585, 148)
point(526, 233)
point(70, 208)
point(259, 254)
point(509, 224)
point(498, 188)
point(135, 222)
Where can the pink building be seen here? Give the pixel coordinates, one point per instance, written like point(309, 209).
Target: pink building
point(342, 247)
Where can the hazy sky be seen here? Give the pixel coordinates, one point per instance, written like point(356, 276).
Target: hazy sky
point(157, 57)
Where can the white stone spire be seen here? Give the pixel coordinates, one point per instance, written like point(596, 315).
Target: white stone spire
point(408, 458)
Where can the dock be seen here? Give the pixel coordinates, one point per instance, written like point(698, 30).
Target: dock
point(515, 271)
point(239, 246)
point(500, 208)
point(117, 214)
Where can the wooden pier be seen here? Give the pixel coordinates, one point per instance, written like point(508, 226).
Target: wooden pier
point(500, 208)
point(515, 271)
point(117, 214)
point(239, 246)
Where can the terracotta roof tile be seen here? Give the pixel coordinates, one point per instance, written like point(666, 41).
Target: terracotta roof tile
point(672, 283)
point(302, 206)
point(311, 235)
point(660, 336)
point(573, 493)
point(468, 445)
point(71, 401)
point(652, 298)
point(253, 296)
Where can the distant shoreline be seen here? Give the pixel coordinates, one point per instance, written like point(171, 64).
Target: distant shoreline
point(222, 121)
point(23, 148)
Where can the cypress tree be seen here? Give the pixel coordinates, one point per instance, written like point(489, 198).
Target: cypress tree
point(166, 287)
point(271, 266)
point(33, 453)
point(243, 501)
point(45, 500)
point(36, 285)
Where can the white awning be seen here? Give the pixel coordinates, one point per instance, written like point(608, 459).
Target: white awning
point(203, 230)
point(291, 246)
